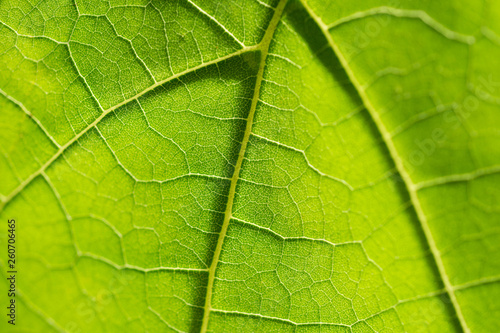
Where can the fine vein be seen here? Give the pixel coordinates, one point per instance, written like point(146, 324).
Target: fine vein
point(266, 41)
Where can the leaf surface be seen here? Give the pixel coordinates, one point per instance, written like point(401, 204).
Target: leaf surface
point(253, 166)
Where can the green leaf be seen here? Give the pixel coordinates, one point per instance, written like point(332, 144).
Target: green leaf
point(251, 166)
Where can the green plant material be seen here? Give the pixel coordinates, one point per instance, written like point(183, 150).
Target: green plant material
point(251, 166)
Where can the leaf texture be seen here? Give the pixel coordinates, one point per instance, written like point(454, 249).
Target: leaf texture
point(252, 165)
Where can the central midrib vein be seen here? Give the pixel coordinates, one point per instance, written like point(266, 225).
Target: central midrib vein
point(264, 48)
point(410, 186)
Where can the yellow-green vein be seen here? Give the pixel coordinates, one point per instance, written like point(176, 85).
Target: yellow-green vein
point(266, 41)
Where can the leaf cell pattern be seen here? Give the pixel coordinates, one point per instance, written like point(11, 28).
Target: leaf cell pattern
point(252, 165)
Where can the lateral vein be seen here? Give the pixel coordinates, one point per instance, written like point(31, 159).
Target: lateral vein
point(63, 148)
point(411, 188)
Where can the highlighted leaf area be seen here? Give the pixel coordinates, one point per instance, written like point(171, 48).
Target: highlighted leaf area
point(251, 166)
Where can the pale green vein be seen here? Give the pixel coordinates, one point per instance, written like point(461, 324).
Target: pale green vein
point(399, 165)
point(189, 174)
point(463, 177)
point(216, 22)
point(163, 320)
point(319, 172)
point(29, 114)
point(266, 41)
point(128, 41)
point(137, 268)
point(300, 238)
point(32, 36)
point(285, 320)
point(477, 283)
point(288, 321)
point(407, 13)
point(38, 311)
point(491, 35)
point(63, 148)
